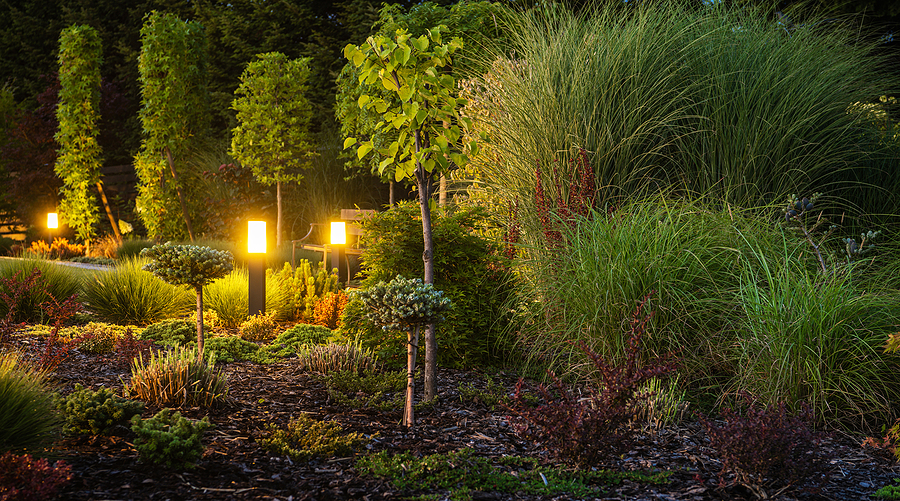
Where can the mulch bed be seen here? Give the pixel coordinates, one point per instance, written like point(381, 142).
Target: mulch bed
point(234, 466)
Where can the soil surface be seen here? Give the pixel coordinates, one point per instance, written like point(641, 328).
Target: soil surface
point(234, 466)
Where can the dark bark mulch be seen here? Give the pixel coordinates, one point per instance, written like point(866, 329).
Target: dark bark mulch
point(234, 466)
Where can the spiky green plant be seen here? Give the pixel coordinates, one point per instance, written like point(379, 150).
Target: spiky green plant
point(178, 378)
point(28, 417)
point(337, 357)
point(128, 295)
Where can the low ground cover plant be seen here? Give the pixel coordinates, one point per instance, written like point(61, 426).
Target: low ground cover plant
point(463, 473)
point(306, 438)
point(382, 390)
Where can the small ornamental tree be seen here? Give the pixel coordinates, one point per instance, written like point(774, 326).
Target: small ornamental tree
point(405, 304)
point(273, 114)
point(78, 158)
point(189, 265)
point(429, 124)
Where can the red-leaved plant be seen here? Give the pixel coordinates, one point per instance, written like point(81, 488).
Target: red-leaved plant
point(582, 430)
point(766, 447)
point(129, 347)
point(23, 478)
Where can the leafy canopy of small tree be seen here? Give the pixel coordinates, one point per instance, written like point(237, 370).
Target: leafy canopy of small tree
point(273, 114)
point(79, 156)
point(428, 122)
point(189, 265)
point(174, 116)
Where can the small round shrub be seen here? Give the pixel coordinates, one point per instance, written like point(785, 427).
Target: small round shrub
point(290, 341)
point(97, 412)
point(232, 348)
point(24, 478)
point(260, 327)
point(169, 439)
point(305, 439)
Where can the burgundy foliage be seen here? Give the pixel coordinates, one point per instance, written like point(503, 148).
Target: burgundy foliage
point(23, 478)
point(55, 349)
point(585, 429)
point(129, 347)
point(566, 198)
point(766, 445)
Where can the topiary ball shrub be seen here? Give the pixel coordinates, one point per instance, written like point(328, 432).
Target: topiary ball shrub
point(292, 340)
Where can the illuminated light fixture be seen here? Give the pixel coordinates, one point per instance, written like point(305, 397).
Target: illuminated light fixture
point(52, 220)
point(338, 233)
point(256, 237)
point(256, 267)
point(338, 240)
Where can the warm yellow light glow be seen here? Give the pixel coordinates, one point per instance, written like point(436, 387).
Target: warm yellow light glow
point(256, 237)
point(52, 220)
point(338, 233)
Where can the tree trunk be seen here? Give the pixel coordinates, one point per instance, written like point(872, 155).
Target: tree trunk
point(109, 214)
point(424, 180)
point(200, 324)
point(442, 191)
point(412, 348)
point(391, 198)
point(187, 218)
point(278, 219)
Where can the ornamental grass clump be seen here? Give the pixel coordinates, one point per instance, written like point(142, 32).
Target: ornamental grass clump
point(178, 378)
point(405, 304)
point(127, 295)
point(192, 266)
point(28, 417)
point(335, 357)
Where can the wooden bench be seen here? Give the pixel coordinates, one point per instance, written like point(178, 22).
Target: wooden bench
point(349, 216)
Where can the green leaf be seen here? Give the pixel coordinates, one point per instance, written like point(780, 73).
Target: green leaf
point(363, 100)
point(405, 93)
point(350, 141)
point(421, 43)
point(364, 148)
point(388, 83)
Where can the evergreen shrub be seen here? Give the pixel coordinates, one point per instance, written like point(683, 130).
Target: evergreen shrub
point(469, 268)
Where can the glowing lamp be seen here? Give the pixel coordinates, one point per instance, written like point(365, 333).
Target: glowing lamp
point(52, 220)
point(338, 233)
point(256, 237)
